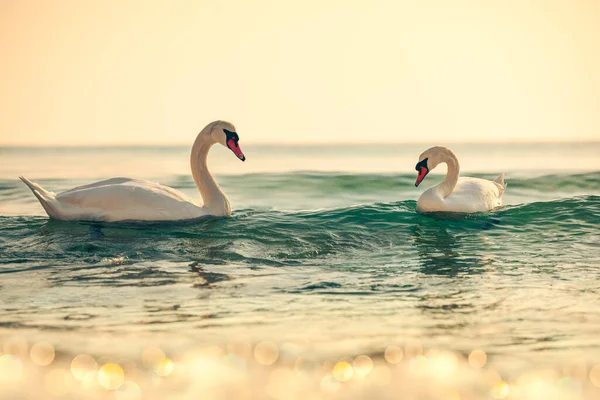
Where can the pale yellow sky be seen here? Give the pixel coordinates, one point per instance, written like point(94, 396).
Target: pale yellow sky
point(155, 72)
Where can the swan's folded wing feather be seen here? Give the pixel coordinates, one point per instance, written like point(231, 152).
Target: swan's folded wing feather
point(473, 195)
point(134, 197)
point(106, 182)
point(477, 187)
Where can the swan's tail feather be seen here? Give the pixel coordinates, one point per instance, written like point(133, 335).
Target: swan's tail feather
point(47, 199)
point(500, 183)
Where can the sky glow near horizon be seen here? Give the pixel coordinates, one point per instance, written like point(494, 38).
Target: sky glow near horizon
point(312, 71)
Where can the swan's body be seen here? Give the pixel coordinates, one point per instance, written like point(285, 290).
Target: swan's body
point(126, 199)
point(454, 194)
point(118, 199)
point(469, 195)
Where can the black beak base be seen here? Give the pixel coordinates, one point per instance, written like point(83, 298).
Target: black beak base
point(422, 171)
point(421, 164)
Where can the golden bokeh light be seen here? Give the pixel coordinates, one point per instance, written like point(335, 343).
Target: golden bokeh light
point(42, 353)
point(595, 375)
point(536, 383)
point(394, 354)
point(490, 376)
point(156, 359)
point(329, 384)
point(500, 390)
point(343, 371)
point(576, 368)
point(83, 367)
point(303, 367)
point(437, 373)
point(164, 367)
point(17, 346)
point(363, 365)
point(241, 348)
point(442, 364)
point(418, 364)
point(266, 353)
point(570, 385)
point(414, 348)
point(11, 368)
point(205, 366)
point(202, 355)
point(129, 390)
point(111, 376)
point(477, 358)
point(152, 356)
point(535, 386)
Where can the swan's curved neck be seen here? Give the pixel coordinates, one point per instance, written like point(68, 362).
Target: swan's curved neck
point(214, 198)
point(449, 183)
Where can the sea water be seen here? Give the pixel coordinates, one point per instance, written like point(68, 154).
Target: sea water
point(324, 282)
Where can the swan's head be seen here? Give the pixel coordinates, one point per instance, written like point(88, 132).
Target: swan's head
point(224, 133)
point(428, 160)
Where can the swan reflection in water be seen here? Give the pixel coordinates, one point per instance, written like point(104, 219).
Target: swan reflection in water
point(443, 252)
point(447, 250)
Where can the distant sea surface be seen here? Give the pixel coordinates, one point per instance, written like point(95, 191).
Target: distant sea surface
point(324, 250)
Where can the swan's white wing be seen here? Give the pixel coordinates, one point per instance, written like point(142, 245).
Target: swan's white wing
point(473, 195)
point(106, 182)
point(128, 199)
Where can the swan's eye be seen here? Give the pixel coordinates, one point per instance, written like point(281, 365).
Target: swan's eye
point(422, 164)
point(231, 135)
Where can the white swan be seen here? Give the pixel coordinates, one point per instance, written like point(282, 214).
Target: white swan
point(454, 194)
point(126, 199)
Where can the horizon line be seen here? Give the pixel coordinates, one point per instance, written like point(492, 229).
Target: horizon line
point(300, 144)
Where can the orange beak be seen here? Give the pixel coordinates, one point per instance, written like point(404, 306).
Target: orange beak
point(233, 146)
point(423, 171)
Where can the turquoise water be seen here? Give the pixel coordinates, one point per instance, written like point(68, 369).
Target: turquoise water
point(324, 248)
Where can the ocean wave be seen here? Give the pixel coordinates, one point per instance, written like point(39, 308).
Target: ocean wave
point(277, 238)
